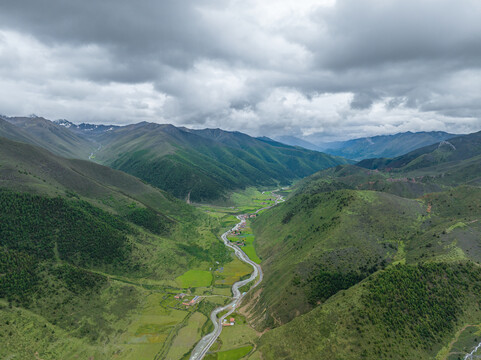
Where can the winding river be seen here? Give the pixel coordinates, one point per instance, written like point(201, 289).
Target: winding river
point(208, 340)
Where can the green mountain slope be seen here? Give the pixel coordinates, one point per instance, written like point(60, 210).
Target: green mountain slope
point(456, 149)
point(28, 168)
point(44, 133)
point(405, 312)
point(385, 145)
point(317, 244)
point(78, 241)
point(362, 263)
point(205, 164)
point(196, 164)
point(13, 132)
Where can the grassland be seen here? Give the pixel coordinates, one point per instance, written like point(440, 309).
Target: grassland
point(234, 354)
point(231, 272)
point(195, 278)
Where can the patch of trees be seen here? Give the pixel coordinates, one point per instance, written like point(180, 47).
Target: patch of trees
point(18, 275)
point(77, 280)
point(324, 283)
point(307, 202)
point(420, 302)
point(72, 230)
point(149, 219)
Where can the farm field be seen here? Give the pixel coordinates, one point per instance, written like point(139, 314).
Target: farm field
point(195, 278)
point(231, 272)
point(247, 237)
point(235, 342)
point(234, 354)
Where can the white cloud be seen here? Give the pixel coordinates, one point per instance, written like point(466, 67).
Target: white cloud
point(346, 68)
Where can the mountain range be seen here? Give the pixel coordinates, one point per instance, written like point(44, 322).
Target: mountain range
point(371, 147)
point(375, 259)
point(198, 165)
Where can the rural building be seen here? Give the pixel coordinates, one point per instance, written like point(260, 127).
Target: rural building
point(228, 323)
point(191, 302)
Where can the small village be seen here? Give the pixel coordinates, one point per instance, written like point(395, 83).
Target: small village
point(237, 232)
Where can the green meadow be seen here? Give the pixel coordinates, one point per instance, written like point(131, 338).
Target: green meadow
point(195, 278)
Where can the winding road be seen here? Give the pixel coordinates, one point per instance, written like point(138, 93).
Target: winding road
point(471, 354)
point(208, 340)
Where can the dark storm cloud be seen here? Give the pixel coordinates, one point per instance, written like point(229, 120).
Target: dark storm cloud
point(135, 32)
point(367, 34)
point(270, 66)
point(362, 101)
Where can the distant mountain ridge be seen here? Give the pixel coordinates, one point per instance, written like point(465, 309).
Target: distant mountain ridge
point(372, 147)
point(45, 133)
point(84, 127)
point(457, 148)
point(295, 141)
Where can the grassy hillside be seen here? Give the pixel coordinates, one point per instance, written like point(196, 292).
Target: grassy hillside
point(205, 164)
point(27, 168)
point(404, 312)
point(13, 132)
point(91, 258)
point(317, 244)
point(384, 263)
point(44, 133)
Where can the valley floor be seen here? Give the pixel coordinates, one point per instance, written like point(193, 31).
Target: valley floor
point(148, 319)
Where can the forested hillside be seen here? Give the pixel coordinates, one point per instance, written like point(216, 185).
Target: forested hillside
point(370, 254)
point(196, 164)
point(405, 312)
point(77, 242)
point(205, 164)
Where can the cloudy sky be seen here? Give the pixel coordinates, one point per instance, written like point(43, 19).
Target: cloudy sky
point(345, 68)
